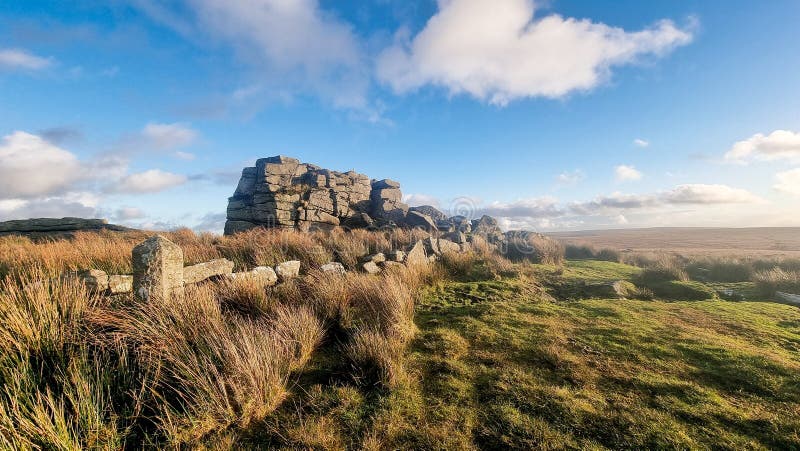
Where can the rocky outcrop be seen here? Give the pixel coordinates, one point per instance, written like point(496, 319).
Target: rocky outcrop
point(430, 211)
point(283, 192)
point(55, 226)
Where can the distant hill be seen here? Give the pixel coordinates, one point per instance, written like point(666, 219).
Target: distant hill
point(36, 227)
point(762, 241)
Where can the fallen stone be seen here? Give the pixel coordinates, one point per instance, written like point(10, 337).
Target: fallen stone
point(396, 256)
point(202, 271)
point(333, 267)
point(389, 265)
point(447, 246)
point(157, 269)
point(416, 254)
point(417, 220)
point(375, 258)
point(264, 274)
point(288, 270)
point(119, 284)
point(790, 298)
point(94, 279)
point(371, 268)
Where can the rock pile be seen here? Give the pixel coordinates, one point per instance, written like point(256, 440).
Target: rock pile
point(283, 192)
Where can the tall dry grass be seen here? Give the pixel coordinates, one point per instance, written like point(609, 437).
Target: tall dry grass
point(78, 371)
point(776, 279)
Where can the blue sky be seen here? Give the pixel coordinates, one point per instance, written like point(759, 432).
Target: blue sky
point(549, 115)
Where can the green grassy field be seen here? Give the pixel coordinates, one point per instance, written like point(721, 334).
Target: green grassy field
point(503, 364)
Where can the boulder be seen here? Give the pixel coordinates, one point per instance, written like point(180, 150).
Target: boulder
point(390, 265)
point(375, 258)
point(416, 254)
point(447, 246)
point(94, 279)
point(417, 220)
point(396, 256)
point(263, 274)
point(385, 184)
point(202, 271)
point(333, 267)
point(119, 284)
point(429, 211)
point(456, 237)
point(288, 270)
point(157, 269)
point(370, 267)
point(431, 246)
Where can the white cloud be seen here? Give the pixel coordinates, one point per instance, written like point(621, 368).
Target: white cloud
point(31, 166)
point(295, 43)
point(708, 194)
point(626, 173)
point(48, 207)
point(151, 181)
point(778, 145)
point(186, 156)
point(168, 136)
point(639, 142)
point(21, 59)
point(537, 207)
point(498, 51)
point(416, 200)
point(618, 209)
point(788, 181)
point(570, 178)
point(128, 213)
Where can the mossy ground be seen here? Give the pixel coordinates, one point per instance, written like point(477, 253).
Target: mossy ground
point(501, 364)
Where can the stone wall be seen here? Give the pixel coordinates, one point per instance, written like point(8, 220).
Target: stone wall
point(283, 192)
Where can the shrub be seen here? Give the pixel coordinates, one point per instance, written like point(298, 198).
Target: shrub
point(376, 358)
point(579, 251)
point(777, 279)
point(298, 328)
point(589, 252)
point(720, 270)
point(535, 248)
point(676, 290)
point(665, 270)
point(212, 371)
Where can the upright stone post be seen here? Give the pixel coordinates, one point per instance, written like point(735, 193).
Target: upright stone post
point(157, 269)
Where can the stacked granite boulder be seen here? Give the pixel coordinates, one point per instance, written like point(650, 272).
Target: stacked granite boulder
point(283, 192)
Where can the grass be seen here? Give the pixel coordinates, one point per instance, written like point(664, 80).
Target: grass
point(473, 352)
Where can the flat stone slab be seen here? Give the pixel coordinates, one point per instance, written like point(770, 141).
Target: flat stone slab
point(202, 271)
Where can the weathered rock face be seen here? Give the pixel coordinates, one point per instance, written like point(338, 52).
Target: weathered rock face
point(283, 192)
